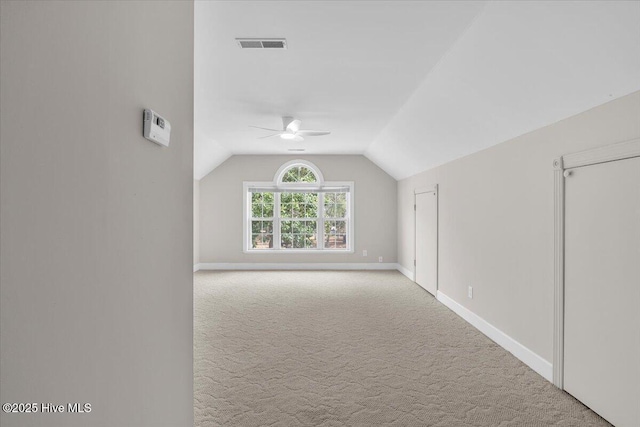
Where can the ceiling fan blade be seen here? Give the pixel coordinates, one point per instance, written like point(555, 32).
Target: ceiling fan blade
point(293, 126)
point(312, 132)
point(269, 136)
point(272, 130)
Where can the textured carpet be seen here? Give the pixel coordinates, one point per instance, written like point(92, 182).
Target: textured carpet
point(355, 349)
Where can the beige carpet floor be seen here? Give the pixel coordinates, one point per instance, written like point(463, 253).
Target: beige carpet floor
point(355, 349)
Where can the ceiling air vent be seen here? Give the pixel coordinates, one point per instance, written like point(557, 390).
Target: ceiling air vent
point(262, 43)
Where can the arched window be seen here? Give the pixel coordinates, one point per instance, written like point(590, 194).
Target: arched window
point(298, 212)
point(299, 173)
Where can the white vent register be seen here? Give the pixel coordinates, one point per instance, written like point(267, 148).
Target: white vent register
point(156, 128)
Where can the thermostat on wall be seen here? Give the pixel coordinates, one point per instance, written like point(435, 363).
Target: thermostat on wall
point(156, 128)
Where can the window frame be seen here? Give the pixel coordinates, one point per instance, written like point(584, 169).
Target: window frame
point(271, 219)
point(277, 186)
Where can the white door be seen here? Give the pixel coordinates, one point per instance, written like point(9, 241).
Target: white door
point(602, 289)
point(427, 241)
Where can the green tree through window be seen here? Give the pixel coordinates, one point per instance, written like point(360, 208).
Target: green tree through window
point(262, 216)
point(299, 220)
point(299, 174)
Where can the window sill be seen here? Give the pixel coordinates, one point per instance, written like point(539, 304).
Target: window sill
point(299, 251)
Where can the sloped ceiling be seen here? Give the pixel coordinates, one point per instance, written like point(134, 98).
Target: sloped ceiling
point(409, 84)
point(519, 67)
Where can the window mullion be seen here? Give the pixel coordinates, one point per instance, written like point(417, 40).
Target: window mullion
point(247, 218)
point(276, 222)
point(349, 217)
point(320, 236)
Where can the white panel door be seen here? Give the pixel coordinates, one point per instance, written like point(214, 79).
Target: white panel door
point(427, 241)
point(602, 289)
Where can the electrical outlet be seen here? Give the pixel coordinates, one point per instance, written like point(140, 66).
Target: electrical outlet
point(470, 292)
point(379, 259)
point(364, 252)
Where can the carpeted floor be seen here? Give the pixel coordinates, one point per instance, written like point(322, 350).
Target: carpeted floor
point(355, 349)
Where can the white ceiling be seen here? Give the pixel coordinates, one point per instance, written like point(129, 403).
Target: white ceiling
point(409, 84)
point(348, 68)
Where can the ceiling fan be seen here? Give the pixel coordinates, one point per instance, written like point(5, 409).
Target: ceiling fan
point(291, 130)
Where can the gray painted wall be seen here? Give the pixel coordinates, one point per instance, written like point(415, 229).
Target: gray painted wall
point(496, 220)
point(96, 222)
point(221, 213)
point(196, 221)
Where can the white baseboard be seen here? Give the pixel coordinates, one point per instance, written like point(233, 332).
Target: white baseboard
point(296, 266)
point(196, 267)
point(410, 274)
point(535, 362)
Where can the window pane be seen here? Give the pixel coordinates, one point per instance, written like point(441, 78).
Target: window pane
point(329, 234)
point(285, 210)
point(297, 210)
point(261, 205)
point(330, 205)
point(256, 210)
point(291, 175)
point(341, 234)
point(261, 234)
point(299, 205)
point(262, 241)
point(329, 210)
point(311, 210)
point(311, 227)
point(292, 205)
point(329, 198)
point(310, 241)
point(306, 175)
point(299, 174)
point(328, 225)
point(258, 227)
point(335, 234)
point(298, 241)
point(335, 205)
point(299, 234)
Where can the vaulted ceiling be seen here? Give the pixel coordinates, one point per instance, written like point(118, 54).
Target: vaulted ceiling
point(410, 85)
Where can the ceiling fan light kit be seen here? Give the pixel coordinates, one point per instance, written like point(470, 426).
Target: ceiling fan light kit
point(291, 130)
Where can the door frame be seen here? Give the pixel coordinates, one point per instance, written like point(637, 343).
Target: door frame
point(421, 190)
point(562, 166)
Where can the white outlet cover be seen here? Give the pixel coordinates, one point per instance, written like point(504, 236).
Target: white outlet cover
point(470, 292)
point(380, 259)
point(364, 252)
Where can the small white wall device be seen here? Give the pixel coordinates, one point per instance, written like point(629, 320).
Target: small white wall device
point(156, 128)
